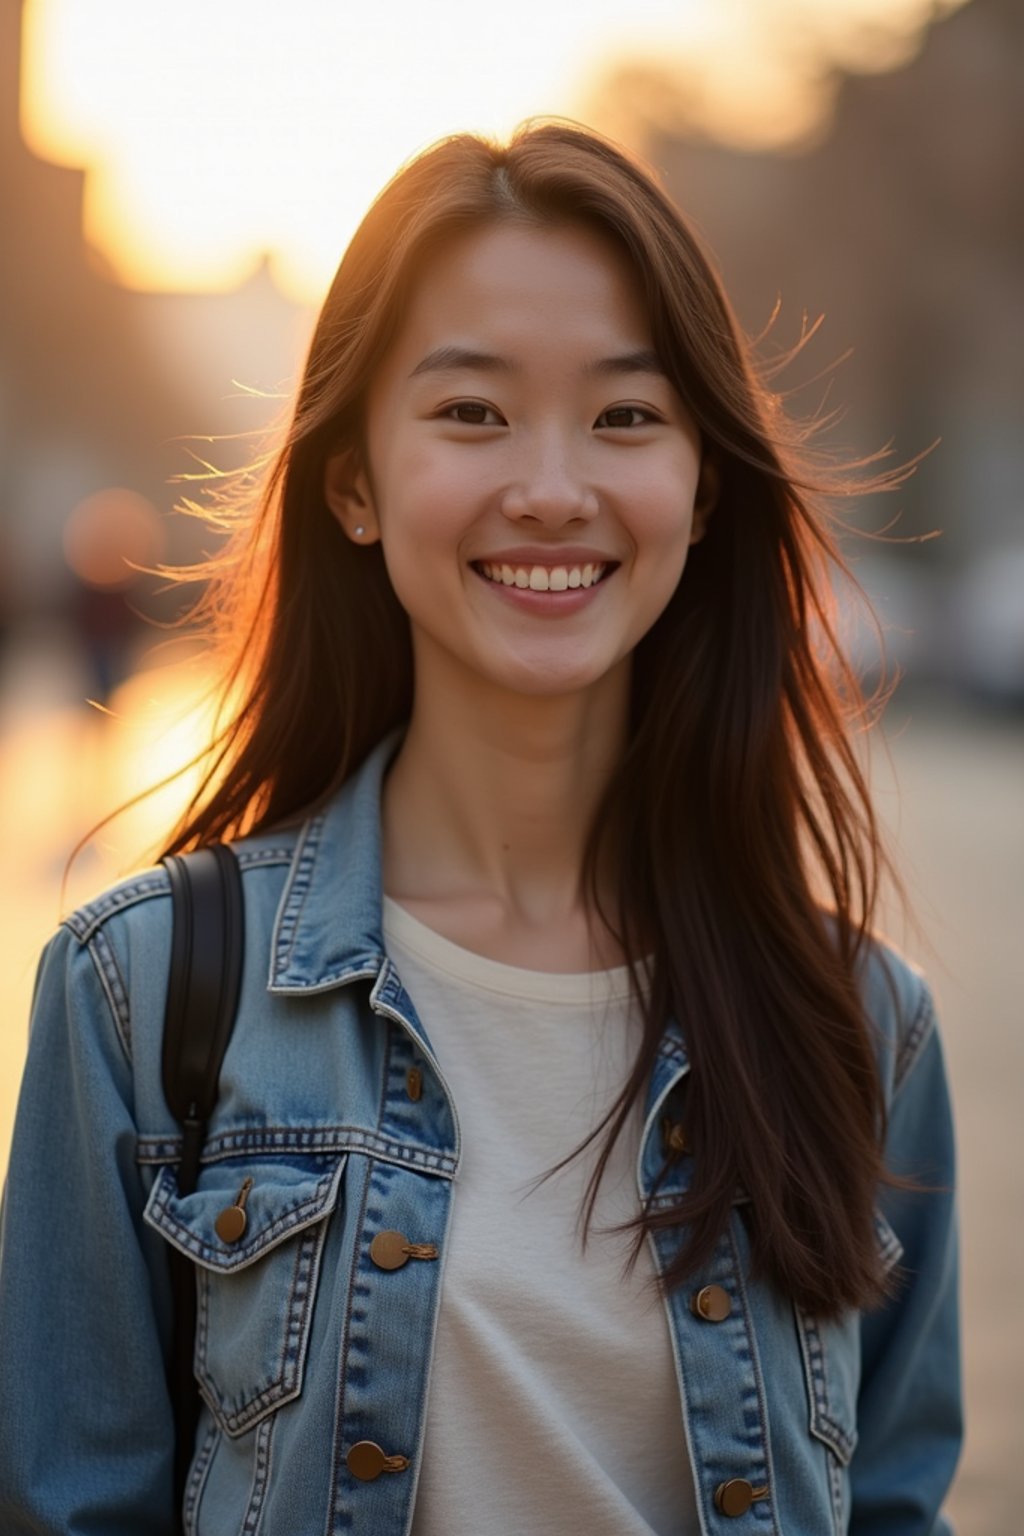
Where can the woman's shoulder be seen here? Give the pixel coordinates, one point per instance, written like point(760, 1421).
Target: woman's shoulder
point(141, 900)
point(899, 1006)
point(102, 979)
point(123, 933)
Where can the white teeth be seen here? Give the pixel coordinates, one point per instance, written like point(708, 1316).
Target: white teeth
point(541, 578)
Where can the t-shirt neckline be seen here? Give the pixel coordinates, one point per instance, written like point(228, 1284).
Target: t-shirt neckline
point(485, 974)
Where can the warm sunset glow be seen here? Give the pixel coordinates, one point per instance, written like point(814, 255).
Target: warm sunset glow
point(214, 133)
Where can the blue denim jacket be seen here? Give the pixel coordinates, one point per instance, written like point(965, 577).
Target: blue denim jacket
point(306, 1347)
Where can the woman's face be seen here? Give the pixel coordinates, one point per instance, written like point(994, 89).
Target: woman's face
point(531, 472)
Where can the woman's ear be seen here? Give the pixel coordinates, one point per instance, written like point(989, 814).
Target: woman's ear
point(709, 483)
point(350, 499)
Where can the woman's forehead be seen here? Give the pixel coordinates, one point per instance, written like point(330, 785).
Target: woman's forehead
point(486, 295)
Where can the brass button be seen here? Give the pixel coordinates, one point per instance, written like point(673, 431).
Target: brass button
point(673, 1136)
point(367, 1461)
point(414, 1084)
point(388, 1250)
point(712, 1304)
point(231, 1224)
point(736, 1496)
point(232, 1220)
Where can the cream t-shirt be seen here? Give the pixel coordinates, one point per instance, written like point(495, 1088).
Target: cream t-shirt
point(553, 1403)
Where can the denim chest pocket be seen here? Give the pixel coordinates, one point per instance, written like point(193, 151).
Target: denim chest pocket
point(256, 1273)
point(831, 1356)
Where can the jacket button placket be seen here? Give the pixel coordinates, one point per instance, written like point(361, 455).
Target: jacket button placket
point(395, 1292)
point(721, 1383)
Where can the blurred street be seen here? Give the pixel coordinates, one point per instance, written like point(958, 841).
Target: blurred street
point(959, 823)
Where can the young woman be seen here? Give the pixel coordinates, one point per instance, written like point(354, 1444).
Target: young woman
point(595, 1159)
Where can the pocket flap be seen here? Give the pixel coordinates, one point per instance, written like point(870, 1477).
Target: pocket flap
point(285, 1195)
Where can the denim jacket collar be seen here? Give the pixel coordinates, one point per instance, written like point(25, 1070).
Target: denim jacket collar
point(329, 929)
point(328, 926)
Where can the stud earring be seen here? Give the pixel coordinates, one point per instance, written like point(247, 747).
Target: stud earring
point(359, 530)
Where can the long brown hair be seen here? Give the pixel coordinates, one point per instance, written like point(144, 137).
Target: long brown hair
point(754, 855)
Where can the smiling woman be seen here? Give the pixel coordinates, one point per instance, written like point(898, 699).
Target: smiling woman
point(582, 1161)
point(522, 423)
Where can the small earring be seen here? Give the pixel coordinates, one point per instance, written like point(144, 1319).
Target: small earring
point(359, 530)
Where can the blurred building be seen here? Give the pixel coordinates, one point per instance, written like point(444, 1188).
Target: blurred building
point(904, 225)
point(104, 389)
point(83, 400)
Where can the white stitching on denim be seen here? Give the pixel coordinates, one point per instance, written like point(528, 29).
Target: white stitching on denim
point(288, 1383)
point(366, 967)
point(890, 1249)
point(157, 1151)
point(835, 1480)
point(913, 1042)
point(260, 1477)
point(197, 1478)
point(296, 891)
point(823, 1425)
point(294, 1219)
point(113, 986)
point(755, 1365)
point(335, 1512)
point(86, 919)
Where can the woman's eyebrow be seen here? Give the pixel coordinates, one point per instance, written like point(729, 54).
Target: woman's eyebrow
point(450, 359)
point(644, 360)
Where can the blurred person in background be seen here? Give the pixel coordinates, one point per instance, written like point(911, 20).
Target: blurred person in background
point(110, 538)
point(6, 605)
point(582, 1161)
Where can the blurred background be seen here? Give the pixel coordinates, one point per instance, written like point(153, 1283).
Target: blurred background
point(176, 186)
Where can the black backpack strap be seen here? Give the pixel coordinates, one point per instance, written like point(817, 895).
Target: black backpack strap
point(202, 997)
point(202, 992)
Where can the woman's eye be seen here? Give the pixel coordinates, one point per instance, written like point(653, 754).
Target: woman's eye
point(624, 416)
point(472, 412)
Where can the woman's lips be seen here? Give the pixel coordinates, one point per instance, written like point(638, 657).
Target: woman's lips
point(543, 589)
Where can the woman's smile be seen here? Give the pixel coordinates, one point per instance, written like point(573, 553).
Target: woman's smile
point(544, 578)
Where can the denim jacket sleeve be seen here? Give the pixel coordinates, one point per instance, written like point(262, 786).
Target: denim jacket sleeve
point(909, 1407)
point(86, 1433)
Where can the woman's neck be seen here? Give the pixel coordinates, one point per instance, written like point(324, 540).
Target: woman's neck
point(487, 811)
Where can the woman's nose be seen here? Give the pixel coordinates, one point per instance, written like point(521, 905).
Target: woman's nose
point(550, 488)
